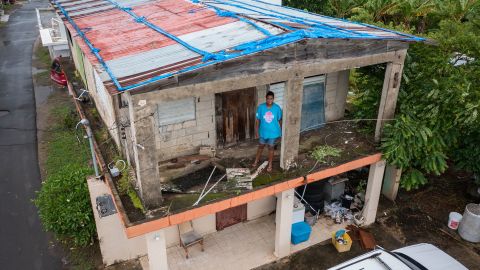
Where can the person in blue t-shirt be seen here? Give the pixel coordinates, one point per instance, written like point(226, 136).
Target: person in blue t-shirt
point(268, 127)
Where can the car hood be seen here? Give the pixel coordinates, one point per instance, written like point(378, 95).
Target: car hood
point(431, 257)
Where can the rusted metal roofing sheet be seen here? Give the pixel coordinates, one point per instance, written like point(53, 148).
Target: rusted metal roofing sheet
point(231, 34)
point(133, 43)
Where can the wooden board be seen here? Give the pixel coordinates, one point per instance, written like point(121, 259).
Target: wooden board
point(232, 216)
point(237, 116)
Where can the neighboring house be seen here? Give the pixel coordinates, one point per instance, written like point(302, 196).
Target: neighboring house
point(171, 76)
point(52, 33)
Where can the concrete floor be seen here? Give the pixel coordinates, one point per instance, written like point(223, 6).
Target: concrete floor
point(242, 246)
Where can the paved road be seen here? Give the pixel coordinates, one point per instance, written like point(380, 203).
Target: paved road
point(23, 244)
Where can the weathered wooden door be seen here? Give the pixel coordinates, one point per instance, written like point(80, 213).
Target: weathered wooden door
point(232, 216)
point(237, 120)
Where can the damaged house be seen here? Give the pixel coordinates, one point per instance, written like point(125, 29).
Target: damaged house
point(177, 84)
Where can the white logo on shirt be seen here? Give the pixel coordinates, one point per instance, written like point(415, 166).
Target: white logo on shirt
point(268, 117)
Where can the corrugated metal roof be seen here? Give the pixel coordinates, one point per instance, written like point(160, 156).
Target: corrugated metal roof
point(231, 34)
point(139, 41)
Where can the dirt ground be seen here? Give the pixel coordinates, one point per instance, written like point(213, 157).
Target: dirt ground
point(416, 217)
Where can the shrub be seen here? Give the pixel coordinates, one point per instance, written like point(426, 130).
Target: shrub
point(64, 205)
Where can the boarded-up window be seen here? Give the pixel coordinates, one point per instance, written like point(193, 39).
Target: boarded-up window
point(177, 111)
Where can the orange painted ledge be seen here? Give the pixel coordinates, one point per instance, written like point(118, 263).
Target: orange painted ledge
point(154, 225)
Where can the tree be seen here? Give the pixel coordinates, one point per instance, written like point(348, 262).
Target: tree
point(437, 119)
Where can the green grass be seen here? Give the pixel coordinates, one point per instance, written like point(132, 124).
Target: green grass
point(63, 200)
point(268, 178)
point(43, 56)
point(63, 146)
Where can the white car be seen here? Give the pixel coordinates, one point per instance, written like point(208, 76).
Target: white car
point(415, 257)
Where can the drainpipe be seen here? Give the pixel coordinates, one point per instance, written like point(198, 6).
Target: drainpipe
point(86, 124)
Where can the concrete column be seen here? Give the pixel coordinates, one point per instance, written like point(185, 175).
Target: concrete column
point(391, 85)
point(292, 114)
point(391, 182)
point(157, 250)
point(142, 123)
point(283, 223)
point(372, 194)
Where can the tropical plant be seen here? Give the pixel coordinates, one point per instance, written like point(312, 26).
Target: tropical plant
point(437, 117)
point(64, 205)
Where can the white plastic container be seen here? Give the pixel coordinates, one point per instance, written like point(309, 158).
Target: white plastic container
point(298, 211)
point(470, 227)
point(454, 220)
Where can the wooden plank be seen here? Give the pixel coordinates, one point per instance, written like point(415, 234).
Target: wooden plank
point(232, 216)
point(388, 100)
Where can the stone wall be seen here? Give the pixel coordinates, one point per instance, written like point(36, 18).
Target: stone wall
point(185, 138)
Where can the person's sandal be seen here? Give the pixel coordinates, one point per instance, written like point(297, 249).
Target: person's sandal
point(269, 169)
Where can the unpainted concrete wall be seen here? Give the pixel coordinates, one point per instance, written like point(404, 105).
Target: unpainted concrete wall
point(185, 138)
point(336, 90)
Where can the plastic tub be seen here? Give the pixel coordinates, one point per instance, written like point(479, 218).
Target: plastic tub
point(469, 228)
point(342, 247)
point(454, 220)
point(300, 232)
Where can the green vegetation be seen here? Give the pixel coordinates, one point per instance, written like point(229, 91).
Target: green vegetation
point(63, 201)
point(125, 187)
point(437, 117)
point(183, 201)
point(267, 178)
point(43, 56)
point(320, 153)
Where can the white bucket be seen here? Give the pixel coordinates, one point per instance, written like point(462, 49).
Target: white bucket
point(454, 220)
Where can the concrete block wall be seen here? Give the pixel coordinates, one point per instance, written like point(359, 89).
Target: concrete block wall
point(336, 90)
point(185, 138)
point(261, 92)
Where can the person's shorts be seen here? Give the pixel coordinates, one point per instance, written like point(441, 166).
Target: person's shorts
point(270, 142)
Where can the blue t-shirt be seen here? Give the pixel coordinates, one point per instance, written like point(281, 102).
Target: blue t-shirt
point(269, 117)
